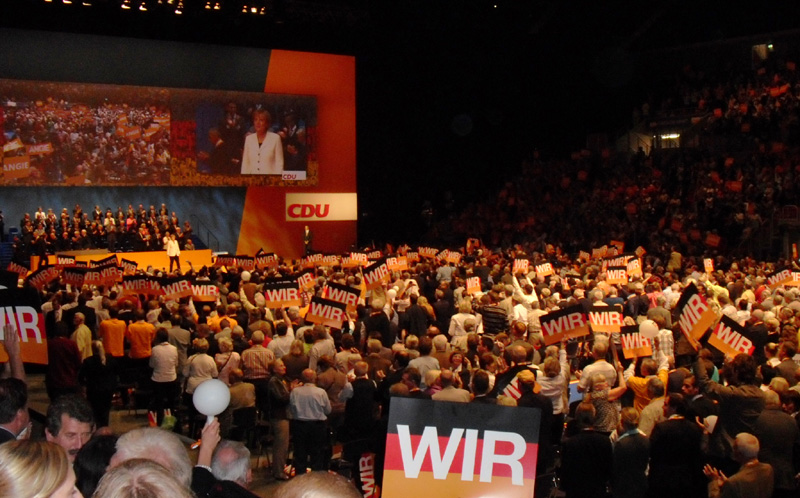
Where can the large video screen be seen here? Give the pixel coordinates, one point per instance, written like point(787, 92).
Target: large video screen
point(108, 135)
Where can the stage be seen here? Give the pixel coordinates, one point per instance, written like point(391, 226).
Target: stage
point(157, 259)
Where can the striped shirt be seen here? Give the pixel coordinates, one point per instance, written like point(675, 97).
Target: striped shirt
point(495, 319)
point(256, 361)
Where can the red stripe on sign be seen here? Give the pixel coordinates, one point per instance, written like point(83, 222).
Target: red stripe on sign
point(395, 461)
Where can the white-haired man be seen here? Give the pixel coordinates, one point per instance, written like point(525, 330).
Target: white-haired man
point(163, 447)
point(231, 467)
point(754, 479)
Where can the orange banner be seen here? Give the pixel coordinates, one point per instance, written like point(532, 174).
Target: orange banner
point(565, 323)
point(473, 285)
point(635, 267)
point(617, 275)
point(16, 167)
point(397, 264)
point(39, 149)
point(634, 345)
point(544, 270)
point(695, 315)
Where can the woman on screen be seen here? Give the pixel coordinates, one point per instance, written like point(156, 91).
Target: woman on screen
point(263, 152)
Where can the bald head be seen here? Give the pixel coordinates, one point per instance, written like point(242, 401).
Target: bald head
point(745, 447)
point(517, 354)
point(308, 376)
point(361, 368)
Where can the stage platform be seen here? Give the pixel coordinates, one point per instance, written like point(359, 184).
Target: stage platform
point(157, 259)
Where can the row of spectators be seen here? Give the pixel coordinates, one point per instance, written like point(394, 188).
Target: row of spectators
point(126, 230)
point(102, 143)
point(422, 335)
point(742, 173)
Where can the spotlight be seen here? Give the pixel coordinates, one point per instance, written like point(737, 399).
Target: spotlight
point(208, 5)
point(126, 4)
point(262, 11)
point(67, 2)
point(86, 3)
point(254, 10)
point(217, 6)
point(179, 8)
point(143, 6)
point(244, 9)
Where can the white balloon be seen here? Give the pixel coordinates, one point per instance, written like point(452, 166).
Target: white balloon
point(648, 329)
point(211, 398)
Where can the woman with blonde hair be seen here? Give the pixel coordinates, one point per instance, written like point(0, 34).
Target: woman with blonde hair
point(198, 368)
point(423, 303)
point(602, 396)
point(36, 469)
point(458, 321)
point(296, 361)
point(227, 359)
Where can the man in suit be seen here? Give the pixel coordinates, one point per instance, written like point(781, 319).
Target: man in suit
point(754, 479)
point(231, 469)
point(220, 159)
point(700, 405)
point(631, 456)
point(308, 237)
point(90, 316)
point(779, 439)
point(787, 367)
point(53, 316)
point(14, 418)
point(449, 391)
point(675, 450)
point(586, 457)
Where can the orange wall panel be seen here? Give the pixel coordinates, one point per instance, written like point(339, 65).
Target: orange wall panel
point(331, 78)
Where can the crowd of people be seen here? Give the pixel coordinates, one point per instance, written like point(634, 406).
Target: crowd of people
point(101, 142)
point(737, 169)
point(686, 420)
point(422, 335)
point(134, 229)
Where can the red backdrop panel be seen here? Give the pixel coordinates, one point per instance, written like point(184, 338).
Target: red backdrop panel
point(332, 79)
